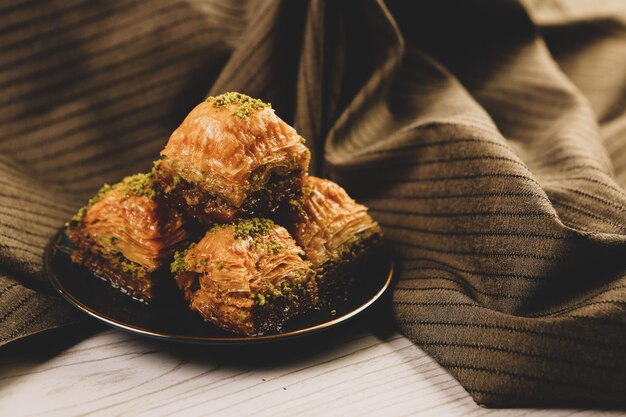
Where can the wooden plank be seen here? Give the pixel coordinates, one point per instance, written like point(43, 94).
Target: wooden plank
point(352, 373)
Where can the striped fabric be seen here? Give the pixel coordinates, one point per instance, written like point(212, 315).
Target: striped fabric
point(488, 138)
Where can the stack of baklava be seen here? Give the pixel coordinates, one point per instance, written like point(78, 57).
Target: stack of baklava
point(251, 240)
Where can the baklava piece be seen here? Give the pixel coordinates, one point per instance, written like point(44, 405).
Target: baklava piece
point(337, 235)
point(125, 235)
point(232, 156)
point(247, 277)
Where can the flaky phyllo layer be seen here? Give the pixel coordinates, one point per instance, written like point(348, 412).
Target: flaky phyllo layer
point(248, 276)
point(125, 234)
point(329, 222)
point(230, 147)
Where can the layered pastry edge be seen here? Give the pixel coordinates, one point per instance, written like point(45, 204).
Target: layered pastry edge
point(248, 276)
point(337, 235)
point(127, 235)
point(232, 157)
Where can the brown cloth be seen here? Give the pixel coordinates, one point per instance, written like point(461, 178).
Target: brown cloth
point(488, 138)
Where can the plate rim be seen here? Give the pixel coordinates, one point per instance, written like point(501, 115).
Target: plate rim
point(236, 339)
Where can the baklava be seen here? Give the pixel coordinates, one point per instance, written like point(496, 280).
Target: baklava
point(232, 156)
point(247, 277)
point(336, 234)
point(125, 235)
point(229, 172)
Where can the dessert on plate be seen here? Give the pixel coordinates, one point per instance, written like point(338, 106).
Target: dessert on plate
point(230, 167)
point(248, 277)
point(336, 233)
point(232, 156)
point(126, 235)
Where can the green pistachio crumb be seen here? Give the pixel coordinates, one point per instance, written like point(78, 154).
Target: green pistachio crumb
point(295, 205)
point(257, 229)
point(256, 177)
point(130, 267)
point(273, 246)
point(180, 263)
point(77, 217)
point(292, 291)
point(192, 200)
point(243, 105)
point(253, 228)
point(138, 185)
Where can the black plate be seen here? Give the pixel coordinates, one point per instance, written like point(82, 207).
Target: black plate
point(170, 318)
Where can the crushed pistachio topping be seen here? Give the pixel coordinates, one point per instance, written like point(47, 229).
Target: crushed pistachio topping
point(243, 105)
point(77, 217)
point(137, 185)
point(295, 205)
point(256, 229)
point(130, 267)
point(253, 228)
point(273, 246)
point(156, 167)
point(180, 264)
point(289, 290)
point(256, 177)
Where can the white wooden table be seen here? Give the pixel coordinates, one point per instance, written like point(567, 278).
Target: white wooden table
point(353, 373)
